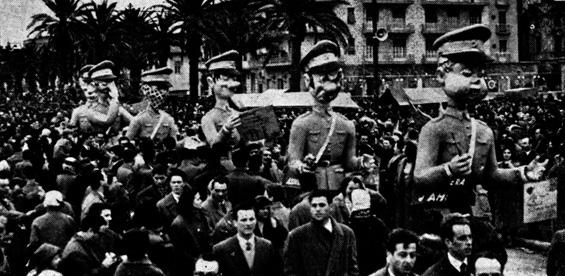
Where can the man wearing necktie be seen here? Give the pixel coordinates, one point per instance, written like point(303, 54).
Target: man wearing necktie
point(245, 253)
point(456, 234)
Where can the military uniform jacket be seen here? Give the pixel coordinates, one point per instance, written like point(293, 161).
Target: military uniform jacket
point(445, 137)
point(307, 135)
point(143, 124)
point(212, 123)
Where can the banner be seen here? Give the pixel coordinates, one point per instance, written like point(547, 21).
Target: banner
point(259, 123)
point(540, 201)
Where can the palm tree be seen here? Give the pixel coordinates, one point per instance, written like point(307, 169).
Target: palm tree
point(62, 29)
point(194, 19)
point(100, 29)
point(162, 37)
point(135, 46)
point(295, 16)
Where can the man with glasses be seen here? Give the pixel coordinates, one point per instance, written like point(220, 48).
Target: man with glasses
point(322, 142)
point(220, 123)
point(153, 122)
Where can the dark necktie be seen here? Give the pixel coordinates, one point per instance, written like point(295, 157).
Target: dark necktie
point(463, 269)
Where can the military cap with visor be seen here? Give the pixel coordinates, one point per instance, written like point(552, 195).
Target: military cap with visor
point(323, 57)
point(102, 71)
point(467, 42)
point(157, 76)
point(224, 63)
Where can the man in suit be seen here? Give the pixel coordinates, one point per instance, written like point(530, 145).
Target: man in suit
point(245, 253)
point(167, 206)
point(323, 246)
point(401, 254)
point(456, 234)
point(217, 204)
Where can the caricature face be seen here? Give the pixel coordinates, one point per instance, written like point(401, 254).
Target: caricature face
point(324, 86)
point(89, 89)
point(224, 85)
point(464, 82)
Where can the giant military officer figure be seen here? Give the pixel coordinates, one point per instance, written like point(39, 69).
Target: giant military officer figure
point(154, 123)
point(220, 123)
point(88, 117)
point(310, 150)
point(455, 151)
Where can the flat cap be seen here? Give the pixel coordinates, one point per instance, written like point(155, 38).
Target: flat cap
point(157, 75)
point(85, 69)
point(465, 41)
point(102, 71)
point(224, 62)
point(324, 56)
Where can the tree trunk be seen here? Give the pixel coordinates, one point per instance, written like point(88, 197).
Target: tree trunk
point(296, 55)
point(193, 61)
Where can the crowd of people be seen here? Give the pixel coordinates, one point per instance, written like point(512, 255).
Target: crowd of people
point(83, 206)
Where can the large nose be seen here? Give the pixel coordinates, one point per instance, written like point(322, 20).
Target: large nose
point(233, 84)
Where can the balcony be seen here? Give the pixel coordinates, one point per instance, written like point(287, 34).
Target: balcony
point(503, 29)
point(440, 28)
point(397, 56)
point(395, 26)
point(503, 56)
point(390, 2)
point(456, 2)
point(429, 57)
point(278, 61)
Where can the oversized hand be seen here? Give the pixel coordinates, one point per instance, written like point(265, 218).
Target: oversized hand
point(460, 165)
point(535, 170)
point(368, 162)
point(233, 122)
point(308, 164)
point(114, 94)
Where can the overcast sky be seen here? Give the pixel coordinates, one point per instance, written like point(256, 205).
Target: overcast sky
point(15, 15)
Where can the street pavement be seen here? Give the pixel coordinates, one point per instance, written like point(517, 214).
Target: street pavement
point(524, 262)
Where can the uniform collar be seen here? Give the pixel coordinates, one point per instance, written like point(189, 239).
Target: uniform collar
point(322, 110)
point(458, 114)
point(223, 108)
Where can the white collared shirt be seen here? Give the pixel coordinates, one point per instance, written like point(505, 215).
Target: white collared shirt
point(455, 262)
point(390, 273)
point(176, 197)
point(243, 242)
point(328, 225)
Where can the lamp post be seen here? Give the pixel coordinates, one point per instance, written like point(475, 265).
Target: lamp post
point(375, 17)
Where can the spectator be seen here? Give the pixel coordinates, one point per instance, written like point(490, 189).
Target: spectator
point(245, 253)
point(269, 227)
point(556, 255)
point(216, 205)
point(190, 232)
point(136, 244)
point(45, 261)
point(401, 254)
point(243, 186)
point(54, 227)
point(323, 246)
point(167, 206)
point(456, 234)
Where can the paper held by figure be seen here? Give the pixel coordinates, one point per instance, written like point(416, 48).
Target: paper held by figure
point(259, 123)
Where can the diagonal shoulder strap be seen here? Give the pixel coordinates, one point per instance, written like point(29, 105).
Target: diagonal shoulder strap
point(161, 118)
point(473, 138)
point(327, 141)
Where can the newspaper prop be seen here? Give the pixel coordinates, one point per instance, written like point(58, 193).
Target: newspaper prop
point(540, 201)
point(259, 123)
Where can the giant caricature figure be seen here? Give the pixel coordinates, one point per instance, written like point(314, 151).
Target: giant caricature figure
point(322, 142)
point(88, 117)
point(455, 151)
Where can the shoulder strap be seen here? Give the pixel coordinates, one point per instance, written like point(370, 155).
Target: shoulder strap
point(473, 138)
point(156, 128)
point(327, 141)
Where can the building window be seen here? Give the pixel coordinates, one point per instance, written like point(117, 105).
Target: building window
point(399, 48)
point(178, 65)
point(503, 46)
point(502, 17)
point(280, 84)
point(351, 46)
point(398, 14)
point(430, 52)
point(369, 12)
point(431, 16)
point(350, 15)
point(452, 17)
point(475, 17)
point(369, 50)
